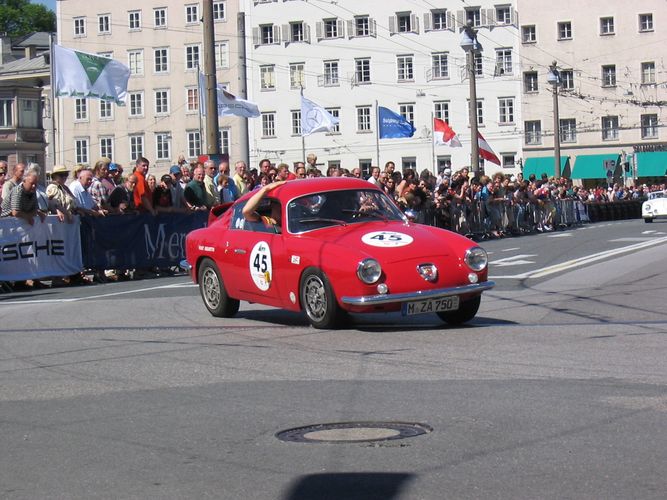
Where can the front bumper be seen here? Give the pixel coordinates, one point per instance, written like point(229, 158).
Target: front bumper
point(398, 298)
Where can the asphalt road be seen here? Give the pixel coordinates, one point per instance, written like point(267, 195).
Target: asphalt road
point(557, 389)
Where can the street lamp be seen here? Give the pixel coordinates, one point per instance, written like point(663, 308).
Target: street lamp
point(471, 47)
point(553, 77)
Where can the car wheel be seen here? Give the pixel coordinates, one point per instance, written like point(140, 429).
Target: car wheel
point(648, 220)
point(213, 291)
point(464, 313)
point(318, 300)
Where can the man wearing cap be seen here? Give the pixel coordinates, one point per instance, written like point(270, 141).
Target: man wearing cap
point(61, 200)
point(176, 187)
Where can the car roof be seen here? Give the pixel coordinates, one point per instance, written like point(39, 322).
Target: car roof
point(301, 187)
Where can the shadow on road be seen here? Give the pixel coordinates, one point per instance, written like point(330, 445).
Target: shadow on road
point(349, 486)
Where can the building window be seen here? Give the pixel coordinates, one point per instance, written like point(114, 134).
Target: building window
point(191, 57)
point(81, 151)
point(268, 124)
point(528, 34)
point(79, 26)
point(649, 126)
point(135, 59)
point(296, 122)
point(480, 112)
point(105, 110)
point(645, 22)
point(331, 28)
point(648, 72)
point(6, 115)
point(438, 20)
point(364, 26)
point(439, 66)
point(474, 16)
point(567, 79)
point(224, 140)
point(80, 110)
point(331, 73)
point(194, 143)
point(268, 35)
point(408, 162)
point(405, 23)
point(104, 24)
point(161, 60)
point(609, 75)
point(530, 82)
point(533, 132)
point(222, 55)
point(163, 146)
point(30, 113)
point(267, 75)
point(407, 111)
point(219, 11)
point(479, 67)
point(568, 130)
point(565, 30)
point(136, 147)
point(441, 110)
point(362, 70)
point(160, 18)
point(297, 76)
point(192, 13)
point(606, 26)
point(136, 103)
point(503, 62)
point(297, 32)
point(503, 14)
point(192, 99)
point(134, 20)
point(506, 110)
point(507, 160)
point(405, 69)
point(106, 147)
point(363, 119)
point(335, 112)
point(162, 102)
point(609, 128)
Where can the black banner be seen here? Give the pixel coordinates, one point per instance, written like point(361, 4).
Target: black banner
point(137, 241)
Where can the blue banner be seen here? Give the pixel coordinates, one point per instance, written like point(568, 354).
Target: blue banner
point(137, 241)
point(393, 125)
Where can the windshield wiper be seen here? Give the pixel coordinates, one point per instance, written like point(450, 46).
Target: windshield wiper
point(367, 213)
point(322, 219)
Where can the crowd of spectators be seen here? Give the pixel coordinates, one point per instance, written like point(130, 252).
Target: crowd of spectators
point(494, 206)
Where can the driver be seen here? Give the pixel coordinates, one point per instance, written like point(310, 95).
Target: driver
point(250, 209)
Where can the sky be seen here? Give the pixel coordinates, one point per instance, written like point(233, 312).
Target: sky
point(51, 4)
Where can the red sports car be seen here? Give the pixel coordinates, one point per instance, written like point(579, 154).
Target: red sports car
point(343, 247)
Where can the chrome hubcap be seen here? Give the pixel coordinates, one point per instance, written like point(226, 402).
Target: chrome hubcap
point(315, 298)
point(211, 288)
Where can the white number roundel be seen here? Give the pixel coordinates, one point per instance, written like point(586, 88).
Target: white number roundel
point(261, 268)
point(386, 239)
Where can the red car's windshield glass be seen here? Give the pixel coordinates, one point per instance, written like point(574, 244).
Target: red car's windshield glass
point(344, 207)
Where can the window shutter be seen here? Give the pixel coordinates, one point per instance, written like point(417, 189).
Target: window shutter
point(286, 33)
point(427, 22)
point(340, 26)
point(373, 26)
point(451, 21)
point(414, 23)
point(276, 33)
point(255, 37)
point(319, 28)
point(392, 25)
point(306, 33)
point(351, 29)
point(460, 19)
point(514, 18)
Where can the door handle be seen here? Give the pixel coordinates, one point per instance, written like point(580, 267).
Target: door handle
point(240, 251)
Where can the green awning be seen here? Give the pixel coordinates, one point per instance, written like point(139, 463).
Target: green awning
point(651, 164)
point(543, 165)
point(594, 166)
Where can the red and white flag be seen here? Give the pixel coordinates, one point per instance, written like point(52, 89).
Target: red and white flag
point(443, 134)
point(485, 150)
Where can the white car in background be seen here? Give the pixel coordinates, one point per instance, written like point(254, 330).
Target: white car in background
point(655, 207)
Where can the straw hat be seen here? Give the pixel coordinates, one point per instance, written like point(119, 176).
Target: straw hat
point(60, 169)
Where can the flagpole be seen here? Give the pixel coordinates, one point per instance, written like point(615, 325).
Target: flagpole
point(303, 137)
point(433, 145)
point(53, 102)
point(377, 135)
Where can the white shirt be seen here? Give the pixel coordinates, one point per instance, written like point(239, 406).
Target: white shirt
point(83, 197)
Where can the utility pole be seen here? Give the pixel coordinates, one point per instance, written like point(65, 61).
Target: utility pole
point(553, 77)
point(210, 80)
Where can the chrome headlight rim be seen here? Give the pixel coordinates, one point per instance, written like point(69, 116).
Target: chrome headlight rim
point(369, 271)
point(476, 259)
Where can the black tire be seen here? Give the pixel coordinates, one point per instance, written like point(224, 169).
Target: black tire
point(213, 291)
point(318, 300)
point(648, 220)
point(463, 314)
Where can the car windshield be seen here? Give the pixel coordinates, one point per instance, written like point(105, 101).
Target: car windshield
point(344, 207)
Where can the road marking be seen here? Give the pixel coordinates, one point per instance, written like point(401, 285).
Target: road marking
point(511, 249)
point(560, 235)
point(99, 296)
point(515, 260)
point(570, 264)
point(649, 231)
point(630, 240)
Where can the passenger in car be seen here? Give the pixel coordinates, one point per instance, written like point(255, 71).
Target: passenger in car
point(250, 209)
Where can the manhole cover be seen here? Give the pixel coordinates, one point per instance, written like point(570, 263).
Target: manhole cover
point(353, 432)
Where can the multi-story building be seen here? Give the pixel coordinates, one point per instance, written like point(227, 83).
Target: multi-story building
point(161, 42)
point(612, 102)
point(405, 56)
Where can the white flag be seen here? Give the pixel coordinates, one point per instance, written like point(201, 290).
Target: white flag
point(84, 75)
point(228, 103)
point(315, 118)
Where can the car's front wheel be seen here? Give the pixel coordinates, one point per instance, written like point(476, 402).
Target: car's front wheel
point(318, 300)
point(213, 291)
point(464, 313)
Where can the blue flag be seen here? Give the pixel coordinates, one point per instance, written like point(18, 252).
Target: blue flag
point(393, 125)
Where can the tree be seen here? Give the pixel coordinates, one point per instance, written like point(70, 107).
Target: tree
point(20, 17)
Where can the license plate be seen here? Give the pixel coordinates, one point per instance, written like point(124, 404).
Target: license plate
point(431, 306)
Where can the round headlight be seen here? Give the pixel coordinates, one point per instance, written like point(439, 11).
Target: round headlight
point(369, 271)
point(476, 258)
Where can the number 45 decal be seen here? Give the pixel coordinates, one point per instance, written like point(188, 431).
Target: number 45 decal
point(386, 239)
point(261, 267)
